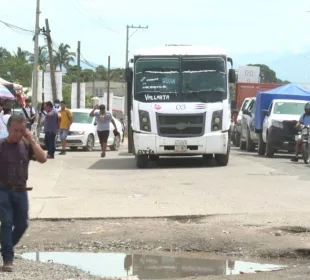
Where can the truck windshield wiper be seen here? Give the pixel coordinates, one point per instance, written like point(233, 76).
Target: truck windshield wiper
point(199, 97)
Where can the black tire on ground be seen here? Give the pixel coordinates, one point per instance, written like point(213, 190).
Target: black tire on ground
point(261, 150)
point(207, 156)
point(269, 149)
point(73, 148)
point(237, 139)
point(116, 143)
point(250, 147)
point(305, 153)
point(153, 157)
point(242, 144)
point(222, 160)
point(89, 144)
point(142, 161)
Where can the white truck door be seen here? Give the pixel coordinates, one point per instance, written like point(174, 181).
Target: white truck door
point(267, 122)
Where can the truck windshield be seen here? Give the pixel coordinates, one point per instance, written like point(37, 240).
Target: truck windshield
point(289, 108)
point(204, 78)
point(180, 79)
point(157, 79)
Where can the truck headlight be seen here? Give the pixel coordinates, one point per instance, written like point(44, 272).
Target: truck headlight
point(216, 122)
point(145, 124)
point(277, 124)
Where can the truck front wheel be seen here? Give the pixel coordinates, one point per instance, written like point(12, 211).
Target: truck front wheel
point(222, 160)
point(142, 161)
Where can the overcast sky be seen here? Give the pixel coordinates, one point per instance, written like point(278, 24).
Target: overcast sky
point(239, 26)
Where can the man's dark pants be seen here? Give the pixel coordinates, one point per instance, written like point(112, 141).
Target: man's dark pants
point(13, 214)
point(50, 143)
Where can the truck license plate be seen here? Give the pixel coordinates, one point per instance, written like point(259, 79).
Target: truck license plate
point(180, 146)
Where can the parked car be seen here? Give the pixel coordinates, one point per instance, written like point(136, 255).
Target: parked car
point(279, 129)
point(83, 133)
point(237, 126)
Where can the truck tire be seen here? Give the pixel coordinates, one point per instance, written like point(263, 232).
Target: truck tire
point(142, 161)
point(305, 153)
point(242, 144)
point(222, 160)
point(250, 147)
point(261, 149)
point(237, 139)
point(269, 149)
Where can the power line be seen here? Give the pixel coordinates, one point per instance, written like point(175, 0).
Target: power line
point(82, 11)
point(15, 27)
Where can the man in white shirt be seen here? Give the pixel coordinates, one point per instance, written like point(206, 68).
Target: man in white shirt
point(7, 112)
point(29, 113)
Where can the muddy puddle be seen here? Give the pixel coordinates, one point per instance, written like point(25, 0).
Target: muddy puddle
point(149, 266)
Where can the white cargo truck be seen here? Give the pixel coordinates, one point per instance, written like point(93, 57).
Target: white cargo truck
point(179, 103)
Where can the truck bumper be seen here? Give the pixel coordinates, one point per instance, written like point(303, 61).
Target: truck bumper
point(212, 143)
point(281, 139)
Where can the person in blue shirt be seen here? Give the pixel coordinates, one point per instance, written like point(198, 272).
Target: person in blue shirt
point(305, 120)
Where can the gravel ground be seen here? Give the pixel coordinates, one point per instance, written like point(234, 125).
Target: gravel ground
point(30, 270)
point(225, 237)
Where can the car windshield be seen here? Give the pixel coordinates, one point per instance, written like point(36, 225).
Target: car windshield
point(81, 117)
point(245, 103)
point(289, 108)
point(185, 79)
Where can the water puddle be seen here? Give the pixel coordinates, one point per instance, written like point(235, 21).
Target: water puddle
point(148, 266)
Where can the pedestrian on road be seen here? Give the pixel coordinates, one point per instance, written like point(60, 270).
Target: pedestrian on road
point(65, 123)
point(50, 129)
point(29, 113)
point(15, 153)
point(123, 128)
point(305, 120)
point(103, 119)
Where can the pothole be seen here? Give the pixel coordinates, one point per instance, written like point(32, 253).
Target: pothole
point(142, 266)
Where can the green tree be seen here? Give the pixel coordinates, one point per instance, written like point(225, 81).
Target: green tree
point(63, 57)
point(43, 57)
point(101, 73)
point(267, 75)
point(22, 55)
point(66, 94)
point(4, 55)
point(87, 75)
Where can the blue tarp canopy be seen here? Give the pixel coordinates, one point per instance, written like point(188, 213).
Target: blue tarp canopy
point(264, 99)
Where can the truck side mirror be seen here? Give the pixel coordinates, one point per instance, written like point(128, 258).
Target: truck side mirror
point(246, 112)
point(266, 112)
point(232, 76)
point(128, 75)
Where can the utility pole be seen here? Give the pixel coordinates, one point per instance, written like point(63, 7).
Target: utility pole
point(36, 58)
point(78, 76)
point(127, 111)
point(128, 37)
point(108, 89)
point(51, 58)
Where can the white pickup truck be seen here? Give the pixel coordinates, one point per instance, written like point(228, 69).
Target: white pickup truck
point(279, 126)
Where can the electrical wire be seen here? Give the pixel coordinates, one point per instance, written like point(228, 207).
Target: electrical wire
point(16, 28)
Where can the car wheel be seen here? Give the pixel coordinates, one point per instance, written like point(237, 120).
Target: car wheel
point(73, 148)
point(116, 143)
point(142, 161)
point(89, 144)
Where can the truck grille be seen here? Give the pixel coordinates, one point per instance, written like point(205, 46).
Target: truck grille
point(169, 125)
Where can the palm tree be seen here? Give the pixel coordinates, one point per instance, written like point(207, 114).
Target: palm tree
point(22, 55)
point(63, 57)
point(43, 57)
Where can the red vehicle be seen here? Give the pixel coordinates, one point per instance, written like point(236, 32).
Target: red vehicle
point(244, 90)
